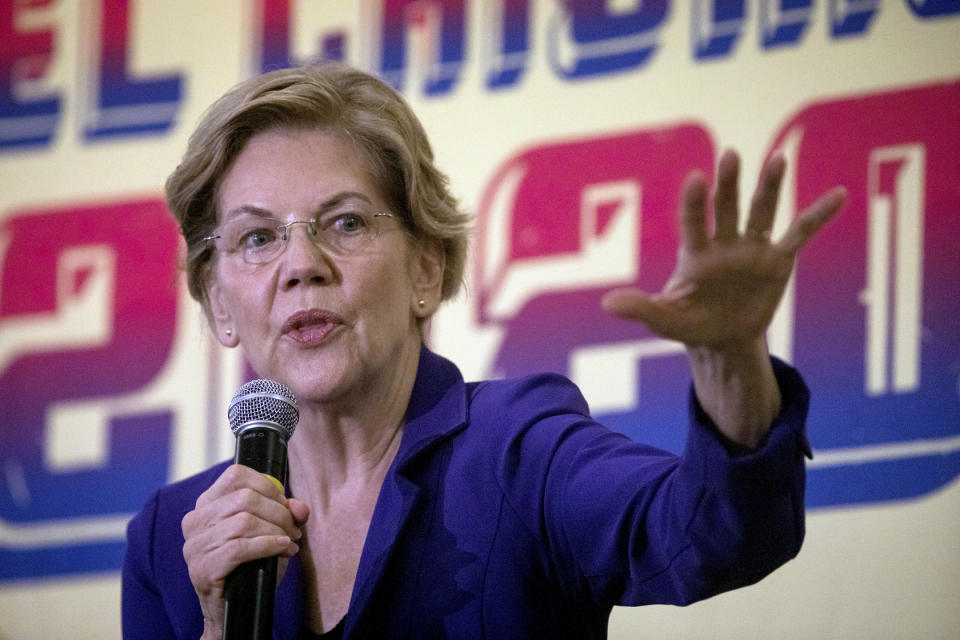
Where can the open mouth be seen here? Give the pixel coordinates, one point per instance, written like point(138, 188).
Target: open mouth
point(311, 326)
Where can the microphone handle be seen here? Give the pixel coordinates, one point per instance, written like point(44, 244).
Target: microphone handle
point(248, 614)
point(251, 587)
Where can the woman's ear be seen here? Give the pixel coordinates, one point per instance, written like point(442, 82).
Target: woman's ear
point(427, 265)
point(221, 320)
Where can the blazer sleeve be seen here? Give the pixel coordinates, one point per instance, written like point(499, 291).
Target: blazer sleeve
point(626, 523)
point(143, 613)
point(158, 600)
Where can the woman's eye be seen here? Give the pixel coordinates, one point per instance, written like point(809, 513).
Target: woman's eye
point(350, 223)
point(257, 238)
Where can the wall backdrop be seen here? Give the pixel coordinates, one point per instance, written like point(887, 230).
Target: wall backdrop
point(567, 127)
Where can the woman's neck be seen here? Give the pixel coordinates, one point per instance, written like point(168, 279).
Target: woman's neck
point(349, 448)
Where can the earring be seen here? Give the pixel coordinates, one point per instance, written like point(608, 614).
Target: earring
point(229, 332)
point(421, 303)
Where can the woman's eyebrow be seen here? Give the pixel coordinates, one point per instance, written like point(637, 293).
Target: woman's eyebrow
point(340, 198)
point(326, 205)
point(250, 210)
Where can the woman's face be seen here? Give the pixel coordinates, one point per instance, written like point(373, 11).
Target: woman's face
point(331, 325)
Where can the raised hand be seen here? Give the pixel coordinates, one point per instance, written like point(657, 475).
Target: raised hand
point(723, 292)
point(726, 285)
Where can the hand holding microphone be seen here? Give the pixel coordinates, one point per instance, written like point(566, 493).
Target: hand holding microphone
point(243, 522)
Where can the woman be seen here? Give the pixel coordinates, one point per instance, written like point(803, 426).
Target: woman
point(320, 238)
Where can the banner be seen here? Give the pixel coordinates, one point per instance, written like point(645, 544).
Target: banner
point(567, 128)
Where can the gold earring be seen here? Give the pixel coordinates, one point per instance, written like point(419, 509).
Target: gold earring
point(421, 303)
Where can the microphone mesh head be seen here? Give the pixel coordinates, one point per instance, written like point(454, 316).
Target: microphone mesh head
point(264, 401)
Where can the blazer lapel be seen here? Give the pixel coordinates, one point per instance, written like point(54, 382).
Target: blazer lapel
point(437, 410)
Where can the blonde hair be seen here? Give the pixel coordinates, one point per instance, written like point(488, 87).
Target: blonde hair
point(347, 102)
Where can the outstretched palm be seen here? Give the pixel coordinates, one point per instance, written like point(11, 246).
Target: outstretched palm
point(726, 286)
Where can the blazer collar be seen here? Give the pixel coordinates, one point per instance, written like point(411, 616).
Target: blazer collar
point(437, 409)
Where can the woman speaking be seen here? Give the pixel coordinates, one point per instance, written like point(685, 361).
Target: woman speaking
point(320, 239)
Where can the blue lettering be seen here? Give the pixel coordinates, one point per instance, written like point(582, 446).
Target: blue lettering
point(444, 22)
point(273, 24)
point(783, 22)
point(272, 50)
point(851, 17)
point(716, 27)
point(24, 60)
point(124, 105)
point(507, 62)
point(934, 8)
point(588, 39)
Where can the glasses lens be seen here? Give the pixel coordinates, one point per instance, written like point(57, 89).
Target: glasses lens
point(347, 231)
point(343, 231)
point(256, 239)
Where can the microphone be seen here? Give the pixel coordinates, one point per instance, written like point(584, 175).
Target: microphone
point(263, 415)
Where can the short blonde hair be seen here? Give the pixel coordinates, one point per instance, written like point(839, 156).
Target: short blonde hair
point(347, 102)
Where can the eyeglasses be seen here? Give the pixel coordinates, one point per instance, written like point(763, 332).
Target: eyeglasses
point(259, 240)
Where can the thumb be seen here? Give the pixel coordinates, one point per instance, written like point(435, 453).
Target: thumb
point(640, 306)
point(299, 510)
point(629, 303)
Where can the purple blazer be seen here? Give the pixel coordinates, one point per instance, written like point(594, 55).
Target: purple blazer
point(509, 513)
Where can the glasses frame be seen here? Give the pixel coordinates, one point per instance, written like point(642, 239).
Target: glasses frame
point(284, 231)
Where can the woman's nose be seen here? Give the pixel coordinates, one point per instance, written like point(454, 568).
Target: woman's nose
point(304, 260)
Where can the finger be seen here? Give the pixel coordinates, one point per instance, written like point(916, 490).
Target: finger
point(244, 501)
point(727, 196)
point(240, 550)
point(216, 564)
point(812, 219)
point(221, 543)
point(693, 216)
point(247, 525)
point(238, 476)
point(239, 526)
point(247, 501)
point(764, 203)
point(224, 533)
